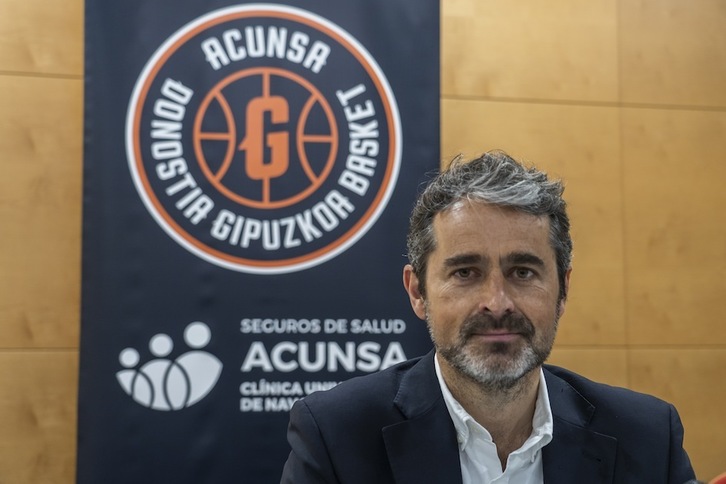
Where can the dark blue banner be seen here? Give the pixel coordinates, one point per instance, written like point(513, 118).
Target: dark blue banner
point(249, 169)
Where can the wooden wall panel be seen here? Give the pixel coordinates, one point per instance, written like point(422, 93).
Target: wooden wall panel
point(604, 365)
point(673, 52)
point(40, 211)
point(41, 62)
point(675, 167)
point(579, 144)
point(693, 380)
point(38, 416)
point(41, 36)
point(561, 49)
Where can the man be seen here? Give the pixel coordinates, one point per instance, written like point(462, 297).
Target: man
point(489, 251)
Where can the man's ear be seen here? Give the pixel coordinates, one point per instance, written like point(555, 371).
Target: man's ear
point(563, 301)
point(411, 284)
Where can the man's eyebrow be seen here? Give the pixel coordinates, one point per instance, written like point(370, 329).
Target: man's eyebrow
point(524, 258)
point(462, 259)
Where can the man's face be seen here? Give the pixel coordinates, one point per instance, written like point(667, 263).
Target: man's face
point(491, 292)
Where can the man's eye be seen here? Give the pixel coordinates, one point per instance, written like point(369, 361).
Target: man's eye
point(464, 273)
point(523, 273)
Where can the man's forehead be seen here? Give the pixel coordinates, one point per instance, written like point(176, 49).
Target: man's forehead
point(469, 226)
point(473, 206)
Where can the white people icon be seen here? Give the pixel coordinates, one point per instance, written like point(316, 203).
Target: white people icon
point(166, 384)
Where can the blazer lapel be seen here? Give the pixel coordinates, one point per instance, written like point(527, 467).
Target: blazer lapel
point(422, 448)
point(575, 454)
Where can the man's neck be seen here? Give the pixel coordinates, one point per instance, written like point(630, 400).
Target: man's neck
point(506, 414)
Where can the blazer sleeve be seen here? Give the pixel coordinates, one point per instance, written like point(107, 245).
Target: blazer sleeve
point(309, 460)
point(680, 465)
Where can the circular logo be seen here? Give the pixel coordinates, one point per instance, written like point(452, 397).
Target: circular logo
point(263, 138)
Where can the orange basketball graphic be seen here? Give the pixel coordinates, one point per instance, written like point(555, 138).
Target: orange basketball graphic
point(258, 165)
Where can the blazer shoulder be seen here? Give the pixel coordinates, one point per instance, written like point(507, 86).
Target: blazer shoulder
point(648, 430)
point(609, 402)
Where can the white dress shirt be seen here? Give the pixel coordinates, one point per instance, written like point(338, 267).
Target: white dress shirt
point(478, 452)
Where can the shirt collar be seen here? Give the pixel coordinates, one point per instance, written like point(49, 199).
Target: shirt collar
point(542, 421)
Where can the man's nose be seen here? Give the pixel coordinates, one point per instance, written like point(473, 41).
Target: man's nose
point(495, 298)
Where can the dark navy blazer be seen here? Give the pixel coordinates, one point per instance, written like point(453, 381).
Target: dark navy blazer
point(393, 427)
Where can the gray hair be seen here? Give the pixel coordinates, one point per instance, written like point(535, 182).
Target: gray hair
point(497, 179)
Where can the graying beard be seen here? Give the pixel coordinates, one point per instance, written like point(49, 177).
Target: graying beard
point(489, 379)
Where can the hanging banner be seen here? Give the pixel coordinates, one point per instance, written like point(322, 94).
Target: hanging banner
point(249, 169)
